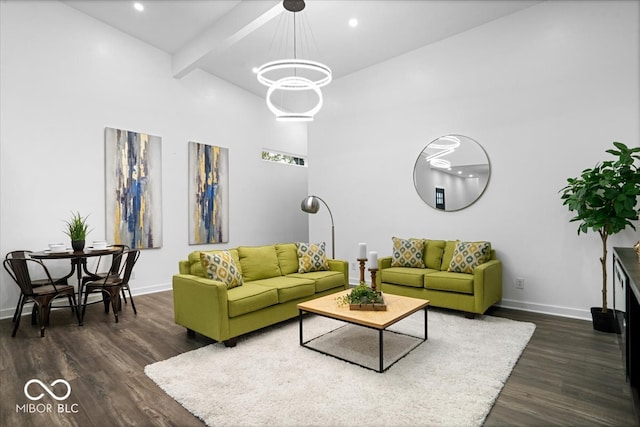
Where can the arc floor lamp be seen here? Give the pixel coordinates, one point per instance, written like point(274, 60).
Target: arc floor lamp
point(311, 205)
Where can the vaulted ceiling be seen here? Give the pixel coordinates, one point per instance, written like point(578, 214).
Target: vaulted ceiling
point(228, 38)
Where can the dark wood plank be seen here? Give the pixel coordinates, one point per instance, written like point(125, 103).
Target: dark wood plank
point(568, 375)
point(104, 363)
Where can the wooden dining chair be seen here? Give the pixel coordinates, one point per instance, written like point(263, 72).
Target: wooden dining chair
point(112, 284)
point(34, 283)
point(41, 296)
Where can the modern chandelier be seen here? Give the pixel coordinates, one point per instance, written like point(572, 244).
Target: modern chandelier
point(294, 76)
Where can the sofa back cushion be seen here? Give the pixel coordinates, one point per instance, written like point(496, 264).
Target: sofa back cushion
point(287, 258)
point(258, 262)
point(195, 264)
point(433, 251)
point(407, 253)
point(447, 254)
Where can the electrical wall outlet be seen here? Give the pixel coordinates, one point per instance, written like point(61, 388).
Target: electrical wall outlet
point(519, 283)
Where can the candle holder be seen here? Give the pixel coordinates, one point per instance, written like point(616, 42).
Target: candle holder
point(373, 271)
point(362, 261)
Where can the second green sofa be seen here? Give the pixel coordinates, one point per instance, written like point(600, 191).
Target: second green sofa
point(473, 292)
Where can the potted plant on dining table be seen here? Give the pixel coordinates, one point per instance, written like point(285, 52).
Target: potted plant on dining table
point(77, 230)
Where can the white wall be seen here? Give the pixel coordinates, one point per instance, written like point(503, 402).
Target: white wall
point(545, 91)
point(64, 78)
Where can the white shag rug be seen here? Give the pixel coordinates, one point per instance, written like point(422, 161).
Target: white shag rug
point(452, 379)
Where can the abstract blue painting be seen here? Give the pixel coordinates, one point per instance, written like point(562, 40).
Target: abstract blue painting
point(208, 194)
point(133, 181)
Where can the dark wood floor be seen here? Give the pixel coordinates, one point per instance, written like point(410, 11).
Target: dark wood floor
point(568, 375)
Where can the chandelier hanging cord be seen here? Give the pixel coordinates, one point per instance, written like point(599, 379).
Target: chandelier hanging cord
point(281, 35)
point(306, 29)
point(271, 74)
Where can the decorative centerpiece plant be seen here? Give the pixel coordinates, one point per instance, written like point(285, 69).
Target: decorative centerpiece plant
point(361, 294)
point(77, 230)
point(605, 199)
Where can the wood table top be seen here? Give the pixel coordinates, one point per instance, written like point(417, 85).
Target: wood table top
point(398, 307)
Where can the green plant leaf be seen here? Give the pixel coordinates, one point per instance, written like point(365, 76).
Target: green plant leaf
point(605, 198)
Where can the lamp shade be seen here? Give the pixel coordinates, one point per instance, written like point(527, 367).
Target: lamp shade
point(310, 204)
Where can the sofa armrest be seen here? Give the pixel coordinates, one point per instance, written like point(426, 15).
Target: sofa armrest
point(184, 267)
point(200, 304)
point(384, 262)
point(343, 267)
point(487, 282)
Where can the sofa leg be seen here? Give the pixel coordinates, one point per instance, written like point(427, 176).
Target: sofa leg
point(469, 315)
point(191, 332)
point(231, 342)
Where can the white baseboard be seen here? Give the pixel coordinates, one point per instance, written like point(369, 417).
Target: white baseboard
point(546, 309)
point(553, 310)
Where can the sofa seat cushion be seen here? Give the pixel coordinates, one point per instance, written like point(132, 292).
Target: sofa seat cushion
point(289, 288)
point(446, 281)
point(324, 280)
point(249, 298)
point(406, 276)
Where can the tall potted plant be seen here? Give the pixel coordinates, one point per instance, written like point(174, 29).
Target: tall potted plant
point(77, 230)
point(605, 199)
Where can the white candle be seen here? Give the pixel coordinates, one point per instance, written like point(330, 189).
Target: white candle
point(373, 259)
point(362, 253)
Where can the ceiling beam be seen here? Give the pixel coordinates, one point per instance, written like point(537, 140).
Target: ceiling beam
point(241, 21)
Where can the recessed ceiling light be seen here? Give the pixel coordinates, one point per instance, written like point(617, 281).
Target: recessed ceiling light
point(353, 22)
point(138, 6)
point(255, 70)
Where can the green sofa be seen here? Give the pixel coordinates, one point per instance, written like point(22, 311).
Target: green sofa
point(271, 290)
point(472, 293)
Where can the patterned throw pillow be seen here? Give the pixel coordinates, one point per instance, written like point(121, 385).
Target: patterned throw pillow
point(220, 266)
point(469, 255)
point(407, 253)
point(311, 257)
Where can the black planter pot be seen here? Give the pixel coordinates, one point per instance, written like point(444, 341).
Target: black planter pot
point(77, 245)
point(604, 322)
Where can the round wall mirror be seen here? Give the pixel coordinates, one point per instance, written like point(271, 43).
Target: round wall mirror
point(451, 172)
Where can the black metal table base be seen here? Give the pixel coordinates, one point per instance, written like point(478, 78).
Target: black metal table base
point(381, 367)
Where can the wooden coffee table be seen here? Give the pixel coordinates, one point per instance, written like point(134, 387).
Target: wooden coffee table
point(398, 307)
